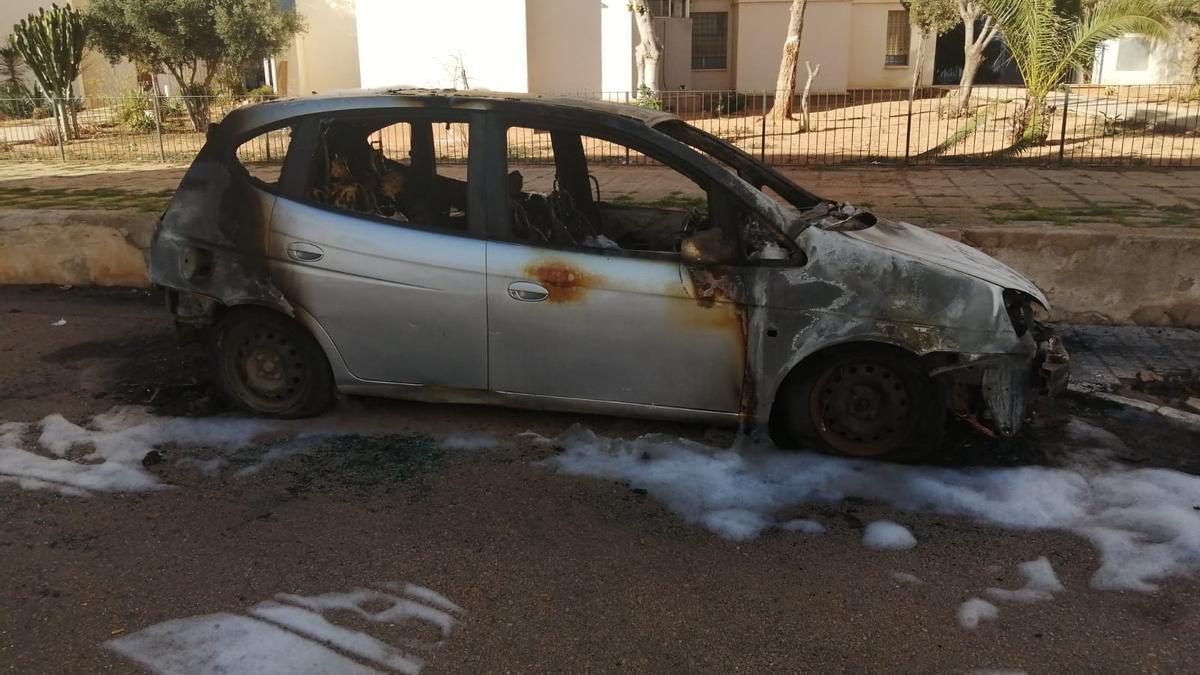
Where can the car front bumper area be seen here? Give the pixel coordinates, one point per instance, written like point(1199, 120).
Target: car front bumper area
point(994, 393)
point(1010, 385)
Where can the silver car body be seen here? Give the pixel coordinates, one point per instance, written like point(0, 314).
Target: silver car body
point(471, 318)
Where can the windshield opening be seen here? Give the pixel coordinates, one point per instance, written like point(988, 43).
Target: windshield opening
point(759, 175)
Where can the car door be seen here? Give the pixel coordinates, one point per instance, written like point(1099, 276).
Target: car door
point(632, 327)
point(403, 302)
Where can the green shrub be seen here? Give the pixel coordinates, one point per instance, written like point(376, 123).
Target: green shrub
point(135, 111)
point(647, 98)
point(263, 93)
point(14, 101)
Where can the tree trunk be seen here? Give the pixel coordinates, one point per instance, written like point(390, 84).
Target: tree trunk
point(73, 114)
point(973, 46)
point(197, 107)
point(648, 51)
point(1032, 121)
point(805, 120)
point(60, 122)
point(785, 82)
point(918, 66)
point(971, 63)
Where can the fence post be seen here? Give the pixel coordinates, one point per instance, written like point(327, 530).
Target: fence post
point(762, 145)
point(162, 154)
point(908, 129)
point(1062, 140)
point(60, 127)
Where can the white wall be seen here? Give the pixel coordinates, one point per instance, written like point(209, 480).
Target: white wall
point(411, 42)
point(565, 47)
point(1169, 63)
point(325, 58)
point(617, 37)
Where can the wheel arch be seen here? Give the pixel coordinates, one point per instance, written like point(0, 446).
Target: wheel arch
point(814, 359)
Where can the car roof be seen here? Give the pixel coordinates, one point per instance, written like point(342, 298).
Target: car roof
point(265, 114)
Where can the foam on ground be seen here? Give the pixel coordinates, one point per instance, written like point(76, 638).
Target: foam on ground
point(884, 535)
point(1041, 583)
point(1143, 522)
point(975, 611)
point(106, 454)
point(298, 635)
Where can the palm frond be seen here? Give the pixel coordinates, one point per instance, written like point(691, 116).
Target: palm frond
point(973, 122)
point(1112, 19)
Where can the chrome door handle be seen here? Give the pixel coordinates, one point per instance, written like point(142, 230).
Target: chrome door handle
point(527, 291)
point(304, 252)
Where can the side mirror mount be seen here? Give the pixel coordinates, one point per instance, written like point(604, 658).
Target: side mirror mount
point(707, 247)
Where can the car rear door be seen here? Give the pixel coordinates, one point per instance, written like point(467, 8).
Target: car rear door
point(403, 302)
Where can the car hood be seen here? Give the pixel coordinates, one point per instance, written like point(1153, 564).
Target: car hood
point(921, 244)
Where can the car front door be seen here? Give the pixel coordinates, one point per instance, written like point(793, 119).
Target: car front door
point(384, 248)
point(576, 321)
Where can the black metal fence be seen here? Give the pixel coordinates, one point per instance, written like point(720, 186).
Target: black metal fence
point(1148, 125)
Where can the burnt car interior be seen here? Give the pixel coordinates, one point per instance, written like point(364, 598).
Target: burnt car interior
point(351, 171)
point(574, 207)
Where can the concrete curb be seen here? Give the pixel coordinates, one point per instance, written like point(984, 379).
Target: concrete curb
point(1174, 414)
point(80, 248)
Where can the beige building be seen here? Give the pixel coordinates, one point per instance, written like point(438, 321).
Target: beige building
point(736, 44)
point(323, 58)
point(586, 46)
point(97, 77)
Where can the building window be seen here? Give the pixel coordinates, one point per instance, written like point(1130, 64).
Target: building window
point(666, 7)
point(898, 34)
point(710, 40)
point(1133, 53)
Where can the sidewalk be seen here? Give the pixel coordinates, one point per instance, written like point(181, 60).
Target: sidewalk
point(1153, 369)
point(1094, 199)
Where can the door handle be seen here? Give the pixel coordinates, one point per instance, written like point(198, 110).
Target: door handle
point(527, 291)
point(304, 252)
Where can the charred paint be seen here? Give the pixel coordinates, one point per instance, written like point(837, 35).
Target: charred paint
point(566, 283)
point(721, 297)
point(817, 294)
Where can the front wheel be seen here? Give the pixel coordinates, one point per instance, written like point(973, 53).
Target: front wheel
point(866, 402)
point(269, 365)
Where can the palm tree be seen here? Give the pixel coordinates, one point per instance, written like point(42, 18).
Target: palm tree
point(1048, 45)
point(11, 67)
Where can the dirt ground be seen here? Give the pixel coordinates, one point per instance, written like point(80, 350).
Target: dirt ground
point(554, 573)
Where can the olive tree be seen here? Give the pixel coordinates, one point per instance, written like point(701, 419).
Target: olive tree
point(192, 40)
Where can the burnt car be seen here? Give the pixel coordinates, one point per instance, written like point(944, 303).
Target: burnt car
point(493, 248)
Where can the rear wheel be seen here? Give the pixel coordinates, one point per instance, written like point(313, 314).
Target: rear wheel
point(269, 365)
point(866, 402)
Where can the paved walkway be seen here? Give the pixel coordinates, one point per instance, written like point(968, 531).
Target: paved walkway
point(1102, 356)
point(964, 196)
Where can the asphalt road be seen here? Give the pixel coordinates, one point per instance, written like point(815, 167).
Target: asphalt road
point(553, 573)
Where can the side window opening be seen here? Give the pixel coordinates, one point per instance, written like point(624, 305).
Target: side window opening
point(262, 156)
point(409, 172)
point(571, 189)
